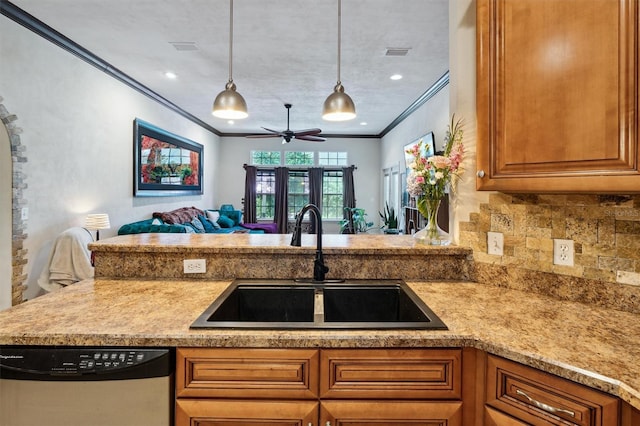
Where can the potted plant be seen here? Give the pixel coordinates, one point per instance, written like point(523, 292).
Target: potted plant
point(389, 219)
point(359, 220)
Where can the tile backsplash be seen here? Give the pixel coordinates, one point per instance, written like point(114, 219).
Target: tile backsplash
point(605, 230)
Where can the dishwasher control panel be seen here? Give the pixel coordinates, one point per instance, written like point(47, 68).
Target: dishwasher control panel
point(98, 360)
point(81, 361)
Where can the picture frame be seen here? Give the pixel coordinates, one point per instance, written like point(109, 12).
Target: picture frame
point(428, 150)
point(165, 164)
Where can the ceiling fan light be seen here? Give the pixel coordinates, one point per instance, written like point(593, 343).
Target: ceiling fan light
point(229, 104)
point(338, 106)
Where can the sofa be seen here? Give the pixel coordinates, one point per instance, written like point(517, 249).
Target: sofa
point(226, 220)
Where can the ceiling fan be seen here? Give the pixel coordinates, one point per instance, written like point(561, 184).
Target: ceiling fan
point(287, 135)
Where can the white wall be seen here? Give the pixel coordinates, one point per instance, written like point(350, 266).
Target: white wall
point(78, 134)
point(364, 153)
point(5, 219)
point(462, 101)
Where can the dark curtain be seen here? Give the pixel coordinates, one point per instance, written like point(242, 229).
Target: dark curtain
point(349, 198)
point(282, 189)
point(315, 192)
point(250, 194)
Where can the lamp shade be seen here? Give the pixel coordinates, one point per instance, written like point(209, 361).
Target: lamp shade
point(339, 106)
point(97, 221)
point(230, 104)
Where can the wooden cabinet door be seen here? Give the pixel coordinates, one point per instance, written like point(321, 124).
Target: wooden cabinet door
point(390, 413)
point(212, 412)
point(557, 95)
point(496, 418)
point(541, 399)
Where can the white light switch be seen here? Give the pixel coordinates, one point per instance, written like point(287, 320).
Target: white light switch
point(495, 243)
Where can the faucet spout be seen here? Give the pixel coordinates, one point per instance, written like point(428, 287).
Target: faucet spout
point(319, 268)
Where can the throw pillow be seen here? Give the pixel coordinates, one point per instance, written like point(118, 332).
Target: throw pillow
point(225, 222)
point(235, 215)
point(208, 226)
point(213, 215)
point(198, 226)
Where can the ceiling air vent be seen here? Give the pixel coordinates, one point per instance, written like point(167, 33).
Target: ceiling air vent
point(397, 51)
point(184, 45)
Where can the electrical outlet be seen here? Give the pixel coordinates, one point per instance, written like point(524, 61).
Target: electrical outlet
point(563, 252)
point(495, 243)
point(24, 213)
point(195, 266)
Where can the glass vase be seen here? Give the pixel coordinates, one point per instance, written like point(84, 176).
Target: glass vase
point(431, 234)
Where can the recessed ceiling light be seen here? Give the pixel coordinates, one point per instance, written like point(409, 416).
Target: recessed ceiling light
point(170, 75)
point(396, 77)
point(230, 122)
point(363, 123)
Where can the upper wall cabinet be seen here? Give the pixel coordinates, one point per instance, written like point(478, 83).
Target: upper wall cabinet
point(557, 96)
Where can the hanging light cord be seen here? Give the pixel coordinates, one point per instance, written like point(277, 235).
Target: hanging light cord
point(339, 35)
point(231, 40)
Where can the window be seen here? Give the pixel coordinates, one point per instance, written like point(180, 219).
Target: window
point(265, 194)
point(332, 188)
point(299, 158)
point(332, 158)
point(266, 158)
point(298, 192)
point(332, 195)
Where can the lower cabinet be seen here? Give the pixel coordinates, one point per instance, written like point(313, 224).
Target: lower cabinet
point(392, 387)
point(517, 394)
point(318, 387)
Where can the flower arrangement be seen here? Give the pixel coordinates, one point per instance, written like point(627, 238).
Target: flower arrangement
point(429, 177)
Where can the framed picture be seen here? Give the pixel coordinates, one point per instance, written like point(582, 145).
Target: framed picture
point(428, 143)
point(164, 164)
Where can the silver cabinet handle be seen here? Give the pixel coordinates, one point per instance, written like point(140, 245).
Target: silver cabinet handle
point(480, 173)
point(546, 407)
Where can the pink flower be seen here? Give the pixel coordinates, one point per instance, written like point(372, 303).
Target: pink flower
point(440, 162)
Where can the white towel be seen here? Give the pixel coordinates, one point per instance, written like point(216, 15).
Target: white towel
point(70, 260)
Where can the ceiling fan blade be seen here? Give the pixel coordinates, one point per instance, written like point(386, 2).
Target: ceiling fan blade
point(310, 138)
point(307, 132)
point(277, 132)
point(263, 136)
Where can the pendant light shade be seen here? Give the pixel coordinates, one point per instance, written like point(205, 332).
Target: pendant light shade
point(339, 106)
point(230, 104)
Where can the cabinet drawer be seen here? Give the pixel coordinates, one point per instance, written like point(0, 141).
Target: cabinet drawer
point(540, 398)
point(391, 413)
point(204, 412)
point(390, 374)
point(247, 373)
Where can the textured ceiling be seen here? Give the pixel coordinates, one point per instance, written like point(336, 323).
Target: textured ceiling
point(284, 51)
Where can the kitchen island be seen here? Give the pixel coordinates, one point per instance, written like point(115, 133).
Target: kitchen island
point(593, 346)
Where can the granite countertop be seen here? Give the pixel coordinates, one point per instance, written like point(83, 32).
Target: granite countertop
point(595, 346)
point(270, 243)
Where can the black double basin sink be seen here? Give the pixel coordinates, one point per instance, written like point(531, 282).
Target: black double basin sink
point(286, 304)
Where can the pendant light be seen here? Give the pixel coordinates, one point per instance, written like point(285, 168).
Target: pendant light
point(339, 106)
point(230, 104)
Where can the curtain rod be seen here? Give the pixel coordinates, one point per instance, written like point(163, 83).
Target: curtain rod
point(245, 165)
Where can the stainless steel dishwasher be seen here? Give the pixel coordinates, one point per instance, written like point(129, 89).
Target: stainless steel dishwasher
point(96, 386)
